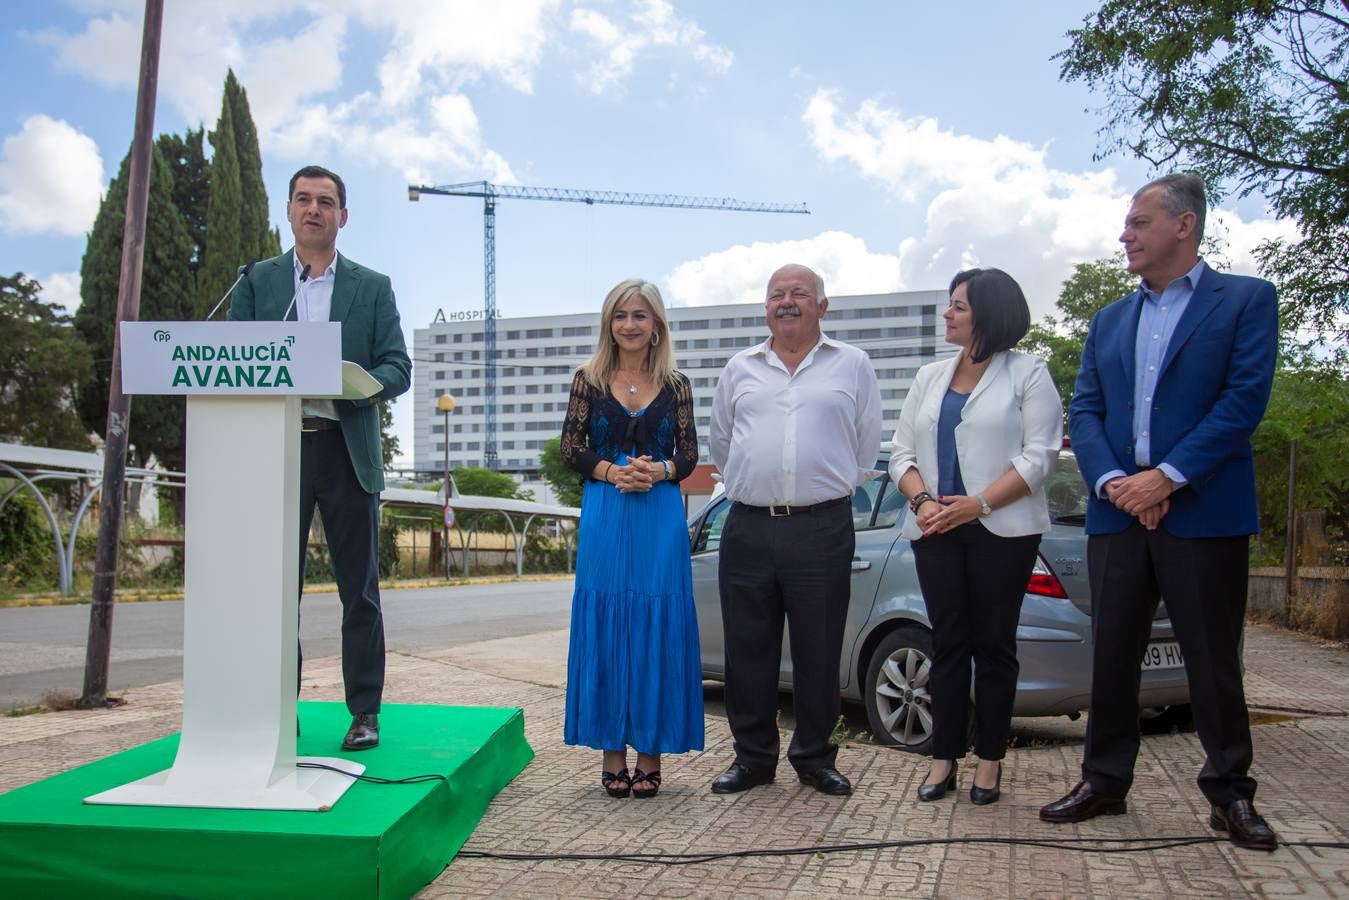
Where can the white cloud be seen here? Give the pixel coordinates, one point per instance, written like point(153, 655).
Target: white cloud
point(446, 42)
point(51, 179)
point(990, 202)
point(295, 77)
point(1237, 239)
point(652, 24)
point(446, 135)
point(62, 288)
point(293, 58)
point(740, 274)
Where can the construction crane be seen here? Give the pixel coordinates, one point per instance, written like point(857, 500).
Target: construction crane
point(490, 193)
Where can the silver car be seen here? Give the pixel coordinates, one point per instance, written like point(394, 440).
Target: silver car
point(887, 642)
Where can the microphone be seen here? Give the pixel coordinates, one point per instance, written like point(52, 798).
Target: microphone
point(304, 276)
point(248, 267)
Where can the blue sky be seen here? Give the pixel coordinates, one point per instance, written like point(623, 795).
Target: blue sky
point(924, 138)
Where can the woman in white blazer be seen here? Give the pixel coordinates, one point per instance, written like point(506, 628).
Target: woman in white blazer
point(977, 440)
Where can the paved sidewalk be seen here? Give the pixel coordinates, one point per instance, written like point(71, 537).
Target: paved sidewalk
point(1300, 687)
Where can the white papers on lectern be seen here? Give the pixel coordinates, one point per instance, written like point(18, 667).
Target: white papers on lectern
point(357, 383)
point(253, 358)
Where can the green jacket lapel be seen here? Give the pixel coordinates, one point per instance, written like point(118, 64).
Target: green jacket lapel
point(281, 281)
point(345, 281)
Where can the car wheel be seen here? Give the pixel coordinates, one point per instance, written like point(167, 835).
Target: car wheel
point(1165, 719)
point(899, 707)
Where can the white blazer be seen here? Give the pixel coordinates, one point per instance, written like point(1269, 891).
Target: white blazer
point(1013, 419)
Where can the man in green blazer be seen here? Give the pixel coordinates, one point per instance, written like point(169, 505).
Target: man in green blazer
point(341, 456)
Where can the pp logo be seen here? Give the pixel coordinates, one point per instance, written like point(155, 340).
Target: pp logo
point(162, 336)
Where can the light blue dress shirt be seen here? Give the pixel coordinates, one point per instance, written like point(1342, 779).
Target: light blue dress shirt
point(1157, 322)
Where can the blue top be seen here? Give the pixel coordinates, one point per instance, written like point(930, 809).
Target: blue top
point(949, 483)
point(598, 427)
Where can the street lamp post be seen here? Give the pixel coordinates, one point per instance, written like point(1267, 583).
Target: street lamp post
point(445, 403)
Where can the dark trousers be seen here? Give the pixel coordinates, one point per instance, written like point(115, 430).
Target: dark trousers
point(973, 582)
point(1204, 583)
point(351, 523)
point(797, 567)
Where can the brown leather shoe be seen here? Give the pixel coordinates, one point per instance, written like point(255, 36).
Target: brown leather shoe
point(363, 733)
point(1246, 827)
point(1082, 803)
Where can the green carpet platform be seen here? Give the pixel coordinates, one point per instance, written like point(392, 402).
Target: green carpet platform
point(377, 841)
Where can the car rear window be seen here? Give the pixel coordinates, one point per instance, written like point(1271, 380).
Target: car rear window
point(1066, 492)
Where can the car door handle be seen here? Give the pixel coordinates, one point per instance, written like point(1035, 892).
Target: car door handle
point(860, 565)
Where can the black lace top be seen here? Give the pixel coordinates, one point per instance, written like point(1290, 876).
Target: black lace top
point(598, 427)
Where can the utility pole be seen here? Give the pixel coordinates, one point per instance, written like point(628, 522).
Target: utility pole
point(119, 404)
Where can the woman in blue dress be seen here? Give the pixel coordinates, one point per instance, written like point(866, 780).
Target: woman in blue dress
point(634, 675)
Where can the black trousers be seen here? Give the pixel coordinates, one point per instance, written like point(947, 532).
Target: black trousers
point(973, 582)
point(1204, 583)
point(351, 523)
point(797, 567)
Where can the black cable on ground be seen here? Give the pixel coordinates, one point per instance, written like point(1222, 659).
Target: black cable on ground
point(375, 779)
point(1076, 845)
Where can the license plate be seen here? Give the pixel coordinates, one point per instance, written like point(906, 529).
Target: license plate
point(1165, 655)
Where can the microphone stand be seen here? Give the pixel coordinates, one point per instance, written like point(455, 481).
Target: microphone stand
point(304, 276)
point(242, 275)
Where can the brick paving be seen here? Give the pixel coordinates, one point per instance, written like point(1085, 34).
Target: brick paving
point(556, 805)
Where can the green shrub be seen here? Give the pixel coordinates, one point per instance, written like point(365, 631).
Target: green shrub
point(27, 549)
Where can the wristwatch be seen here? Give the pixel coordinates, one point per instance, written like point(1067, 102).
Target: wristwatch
point(984, 508)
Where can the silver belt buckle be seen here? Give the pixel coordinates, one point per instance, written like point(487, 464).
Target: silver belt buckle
point(775, 511)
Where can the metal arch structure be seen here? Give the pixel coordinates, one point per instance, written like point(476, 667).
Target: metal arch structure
point(30, 465)
point(490, 193)
point(63, 576)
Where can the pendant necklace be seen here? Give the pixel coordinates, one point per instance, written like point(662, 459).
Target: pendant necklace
point(632, 388)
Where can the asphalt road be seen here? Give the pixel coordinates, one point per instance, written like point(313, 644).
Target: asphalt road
point(42, 647)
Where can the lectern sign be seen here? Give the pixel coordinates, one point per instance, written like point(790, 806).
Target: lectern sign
point(245, 384)
point(296, 358)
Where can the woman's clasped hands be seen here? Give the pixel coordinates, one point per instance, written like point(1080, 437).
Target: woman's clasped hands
point(941, 515)
point(638, 475)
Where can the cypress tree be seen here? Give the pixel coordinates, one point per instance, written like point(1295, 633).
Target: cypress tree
point(257, 240)
point(224, 241)
point(191, 185)
point(166, 294)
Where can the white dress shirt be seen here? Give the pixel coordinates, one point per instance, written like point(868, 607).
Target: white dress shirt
point(796, 438)
point(314, 303)
point(1013, 419)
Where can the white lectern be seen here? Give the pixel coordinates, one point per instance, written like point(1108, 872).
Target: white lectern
point(243, 382)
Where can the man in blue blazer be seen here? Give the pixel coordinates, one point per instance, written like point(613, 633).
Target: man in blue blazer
point(341, 456)
point(1175, 377)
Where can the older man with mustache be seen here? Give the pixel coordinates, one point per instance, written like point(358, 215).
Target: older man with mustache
point(796, 426)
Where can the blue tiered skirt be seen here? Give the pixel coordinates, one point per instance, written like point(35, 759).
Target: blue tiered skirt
point(634, 675)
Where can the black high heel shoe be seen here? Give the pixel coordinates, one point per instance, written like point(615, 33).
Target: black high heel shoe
point(984, 796)
point(937, 791)
point(645, 778)
point(609, 779)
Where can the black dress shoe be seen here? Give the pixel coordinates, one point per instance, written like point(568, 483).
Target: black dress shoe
point(929, 792)
point(826, 780)
point(983, 796)
point(363, 733)
point(740, 777)
point(1082, 803)
point(1246, 827)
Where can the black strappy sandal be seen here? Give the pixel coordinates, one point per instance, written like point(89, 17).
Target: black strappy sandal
point(609, 779)
point(640, 777)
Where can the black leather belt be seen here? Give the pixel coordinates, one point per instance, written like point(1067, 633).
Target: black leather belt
point(786, 510)
point(318, 423)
